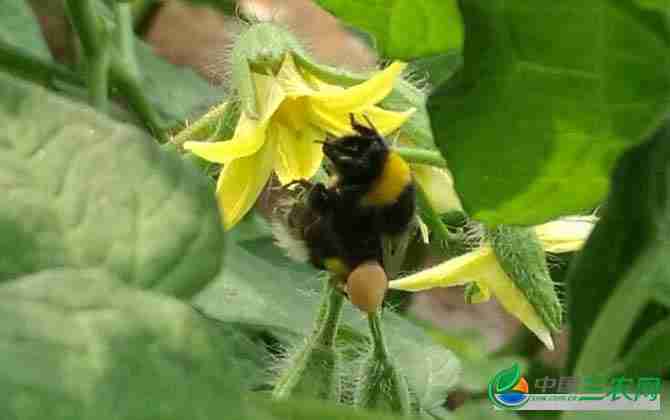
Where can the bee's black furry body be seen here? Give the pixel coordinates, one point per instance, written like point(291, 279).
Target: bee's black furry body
point(343, 225)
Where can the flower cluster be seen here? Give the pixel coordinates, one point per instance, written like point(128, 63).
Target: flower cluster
point(296, 108)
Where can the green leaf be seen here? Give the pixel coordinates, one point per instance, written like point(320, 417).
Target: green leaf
point(19, 28)
point(649, 354)
point(436, 69)
point(261, 286)
point(176, 93)
point(550, 94)
point(80, 344)
point(83, 191)
point(660, 5)
point(478, 366)
point(614, 276)
point(404, 29)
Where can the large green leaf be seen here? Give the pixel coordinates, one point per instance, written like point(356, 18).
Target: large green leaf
point(649, 354)
point(616, 273)
point(80, 344)
point(19, 28)
point(404, 29)
point(436, 69)
point(550, 94)
point(261, 286)
point(83, 191)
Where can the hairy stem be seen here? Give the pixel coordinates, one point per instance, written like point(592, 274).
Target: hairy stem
point(378, 342)
point(325, 329)
point(313, 369)
point(382, 385)
point(194, 131)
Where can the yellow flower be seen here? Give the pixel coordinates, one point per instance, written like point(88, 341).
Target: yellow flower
point(438, 184)
point(481, 266)
point(295, 108)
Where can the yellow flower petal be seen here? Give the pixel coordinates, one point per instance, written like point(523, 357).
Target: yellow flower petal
point(515, 302)
point(339, 123)
point(298, 156)
point(241, 182)
point(565, 235)
point(473, 266)
point(481, 266)
point(385, 121)
point(249, 133)
point(438, 186)
point(249, 137)
point(291, 80)
point(360, 96)
point(269, 95)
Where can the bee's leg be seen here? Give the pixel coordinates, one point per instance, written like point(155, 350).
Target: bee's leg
point(299, 182)
point(321, 198)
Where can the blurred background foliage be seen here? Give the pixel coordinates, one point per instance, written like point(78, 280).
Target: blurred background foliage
point(536, 121)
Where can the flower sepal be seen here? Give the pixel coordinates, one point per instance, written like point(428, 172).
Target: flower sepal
point(521, 256)
point(261, 48)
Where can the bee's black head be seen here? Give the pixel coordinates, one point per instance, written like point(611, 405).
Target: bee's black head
point(359, 158)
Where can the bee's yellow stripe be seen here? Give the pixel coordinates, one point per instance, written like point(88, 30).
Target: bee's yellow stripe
point(390, 184)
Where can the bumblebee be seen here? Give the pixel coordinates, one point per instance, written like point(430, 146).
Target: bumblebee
point(340, 226)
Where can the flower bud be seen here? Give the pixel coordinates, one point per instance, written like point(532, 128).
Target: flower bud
point(521, 256)
point(261, 47)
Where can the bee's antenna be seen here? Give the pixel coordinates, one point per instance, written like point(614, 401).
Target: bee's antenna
point(320, 141)
point(370, 131)
point(369, 121)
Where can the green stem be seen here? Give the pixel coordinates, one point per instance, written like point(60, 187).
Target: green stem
point(127, 75)
point(84, 20)
point(96, 48)
point(325, 329)
point(98, 79)
point(432, 219)
point(35, 69)
point(382, 385)
point(423, 156)
point(131, 88)
point(378, 341)
point(194, 131)
point(125, 37)
point(313, 369)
